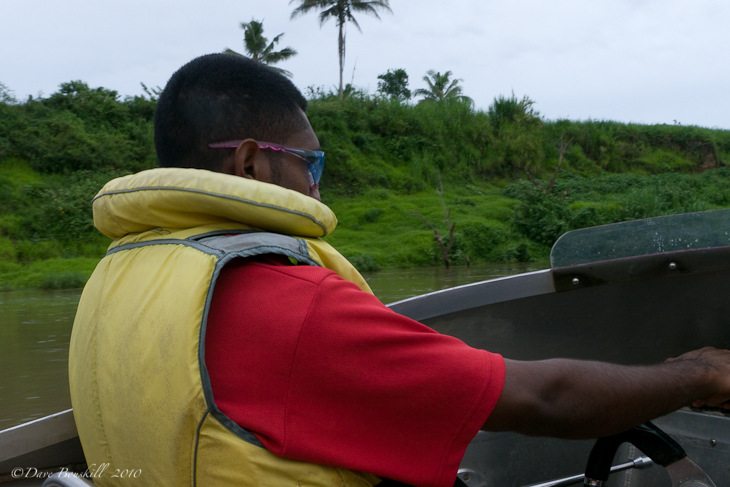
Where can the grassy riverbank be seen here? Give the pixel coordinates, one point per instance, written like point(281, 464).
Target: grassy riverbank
point(513, 221)
point(412, 185)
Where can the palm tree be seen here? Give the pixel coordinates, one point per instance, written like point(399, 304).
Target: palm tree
point(260, 49)
point(441, 88)
point(342, 12)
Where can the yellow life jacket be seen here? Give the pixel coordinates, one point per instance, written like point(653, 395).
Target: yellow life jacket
point(140, 390)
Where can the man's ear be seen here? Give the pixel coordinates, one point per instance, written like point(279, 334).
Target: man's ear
point(246, 161)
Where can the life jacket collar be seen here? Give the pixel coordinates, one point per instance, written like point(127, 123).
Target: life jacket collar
point(186, 198)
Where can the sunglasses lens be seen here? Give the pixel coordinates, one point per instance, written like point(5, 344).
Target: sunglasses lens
point(316, 167)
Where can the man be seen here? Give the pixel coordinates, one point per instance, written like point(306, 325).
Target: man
point(221, 342)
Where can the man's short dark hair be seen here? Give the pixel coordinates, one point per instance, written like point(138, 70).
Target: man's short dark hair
point(221, 97)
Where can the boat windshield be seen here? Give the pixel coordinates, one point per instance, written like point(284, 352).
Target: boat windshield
point(702, 230)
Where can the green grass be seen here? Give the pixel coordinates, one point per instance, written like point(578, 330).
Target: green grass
point(384, 229)
point(57, 273)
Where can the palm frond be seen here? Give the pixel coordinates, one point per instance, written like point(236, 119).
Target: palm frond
point(259, 48)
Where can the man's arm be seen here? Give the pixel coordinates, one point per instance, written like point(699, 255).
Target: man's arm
point(581, 399)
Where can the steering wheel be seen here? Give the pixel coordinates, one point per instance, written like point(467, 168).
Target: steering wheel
point(655, 444)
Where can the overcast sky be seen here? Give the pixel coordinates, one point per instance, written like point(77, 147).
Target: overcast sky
point(645, 61)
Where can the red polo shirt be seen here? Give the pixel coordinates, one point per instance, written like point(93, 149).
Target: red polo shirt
point(322, 372)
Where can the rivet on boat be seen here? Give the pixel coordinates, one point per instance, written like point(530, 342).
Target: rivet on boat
point(672, 266)
point(576, 281)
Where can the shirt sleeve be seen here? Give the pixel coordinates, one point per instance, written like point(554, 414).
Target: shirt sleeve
point(371, 390)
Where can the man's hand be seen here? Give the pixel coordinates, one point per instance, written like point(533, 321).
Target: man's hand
point(582, 399)
point(716, 363)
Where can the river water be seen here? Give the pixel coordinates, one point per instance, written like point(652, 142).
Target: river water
point(35, 327)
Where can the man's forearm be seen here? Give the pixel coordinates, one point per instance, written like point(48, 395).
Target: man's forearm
point(581, 399)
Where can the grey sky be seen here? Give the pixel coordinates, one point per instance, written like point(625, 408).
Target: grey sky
point(646, 61)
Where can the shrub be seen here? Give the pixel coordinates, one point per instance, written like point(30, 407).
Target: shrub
point(7, 250)
point(483, 241)
point(509, 110)
point(63, 280)
point(11, 225)
point(30, 251)
point(63, 210)
point(541, 215)
point(371, 215)
point(364, 263)
point(584, 214)
point(520, 252)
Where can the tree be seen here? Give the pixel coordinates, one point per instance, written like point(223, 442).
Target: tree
point(442, 88)
point(394, 84)
point(97, 107)
point(260, 49)
point(342, 12)
point(6, 95)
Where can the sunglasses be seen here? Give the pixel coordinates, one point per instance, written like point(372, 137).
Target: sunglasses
point(313, 158)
